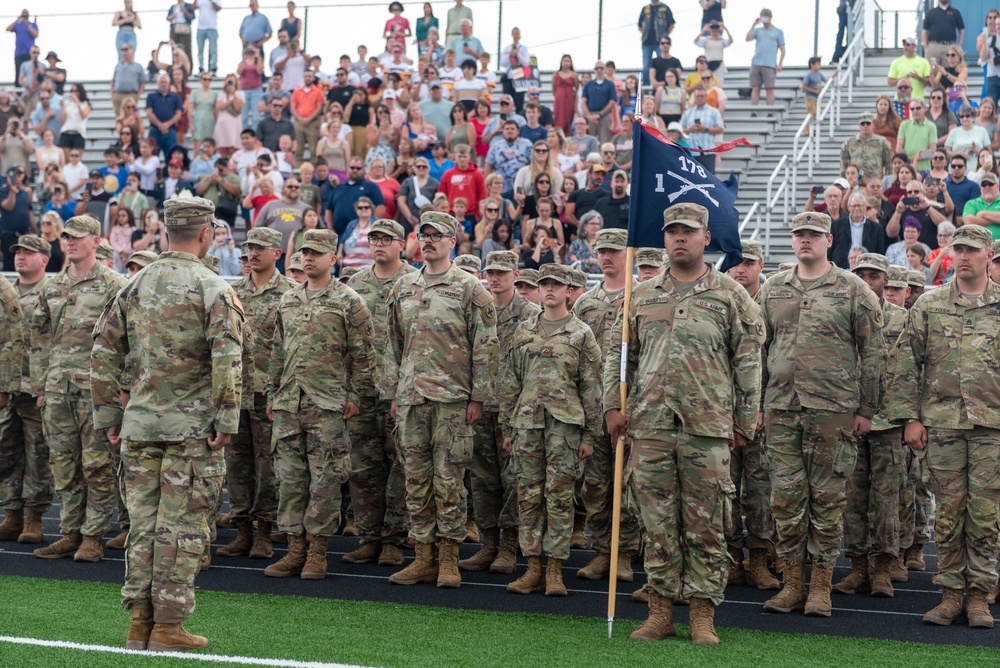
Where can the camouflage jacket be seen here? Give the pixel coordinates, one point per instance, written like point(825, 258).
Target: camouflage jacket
point(873, 156)
point(12, 353)
point(261, 308)
point(375, 292)
point(509, 319)
point(696, 357)
point(28, 301)
point(824, 347)
point(894, 321)
point(180, 327)
point(62, 327)
point(442, 341)
point(599, 308)
point(948, 359)
point(560, 374)
point(322, 348)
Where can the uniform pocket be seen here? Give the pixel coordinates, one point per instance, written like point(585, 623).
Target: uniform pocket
point(846, 452)
point(187, 563)
point(206, 482)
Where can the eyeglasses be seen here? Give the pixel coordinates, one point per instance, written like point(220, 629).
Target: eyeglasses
point(902, 87)
point(545, 181)
point(362, 207)
point(864, 122)
point(420, 166)
point(492, 209)
point(953, 55)
point(939, 157)
point(541, 150)
point(434, 236)
point(913, 193)
point(937, 97)
point(965, 116)
point(708, 78)
point(355, 168)
point(379, 240)
point(957, 166)
point(293, 187)
point(46, 222)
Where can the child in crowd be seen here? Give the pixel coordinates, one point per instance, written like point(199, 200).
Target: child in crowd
point(812, 84)
point(115, 174)
point(462, 215)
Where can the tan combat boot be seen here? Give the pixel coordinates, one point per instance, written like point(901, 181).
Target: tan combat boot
point(118, 542)
point(553, 578)
point(578, 541)
point(737, 574)
point(507, 558)
point(914, 558)
point(857, 580)
point(315, 566)
point(948, 610)
point(881, 580)
point(262, 548)
point(759, 575)
point(365, 554)
point(242, 543)
point(32, 532)
point(791, 597)
point(350, 528)
point(482, 559)
point(392, 555)
point(471, 530)
point(225, 521)
point(13, 524)
point(422, 569)
point(62, 548)
point(291, 564)
point(818, 603)
point(532, 580)
point(991, 598)
point(89, 550)
point(140, 627)
point(174, 638)
point(206, 559)
point(598, 568)
point(624, 572)
point(977, 611)
point(640, 595)
point(702, 627)
point(279, 538)
point(659, 623)
point(898, 571)
point(448, 575)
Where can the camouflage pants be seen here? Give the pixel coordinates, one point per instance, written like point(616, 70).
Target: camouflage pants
point(811, 453)
point(494, 486)
point(25, 474)
point(171, 489)
point(685, 499)
point(965, 478)
point(752, 502)
point(547, 468)
point(81, 464)
point(436, 449)
point(313, 460)
point(915, 502)
point(118, 467)
point(253, 486)
point(377, 485)
point(871, 516)
point(598, 492)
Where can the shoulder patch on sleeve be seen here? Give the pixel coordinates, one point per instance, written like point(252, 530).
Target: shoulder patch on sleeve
point(484, 302)
point(11, 305)
point(236, 303)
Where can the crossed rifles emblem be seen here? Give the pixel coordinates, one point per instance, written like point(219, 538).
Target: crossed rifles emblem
point(688, 185)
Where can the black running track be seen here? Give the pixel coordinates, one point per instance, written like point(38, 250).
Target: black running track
point(858, 616)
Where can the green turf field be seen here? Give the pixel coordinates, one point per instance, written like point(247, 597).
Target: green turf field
point(398, 636)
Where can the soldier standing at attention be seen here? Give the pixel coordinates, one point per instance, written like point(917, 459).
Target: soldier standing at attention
point(577, 288)
point(319, 369)
point(823, 365)
point(896, 288)
point(377, 484)
point(440, 363)
point(697, 326)
point(598, 308)
point(946, 391)
point(180, 328)
point(62, 326)
point(494, 485)
point(527, 286)
point(253, 486)
point(294, 269)
point(25, 475)
point(871, 517)
point(752, 503)
point(551, 402)
point(648, 263)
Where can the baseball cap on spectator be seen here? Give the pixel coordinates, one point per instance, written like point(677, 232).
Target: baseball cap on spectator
point(598, 168)
point(842, 184)
point(176, 162)
point(910, 40)
point(389, 94)
point(989, 177)
point(435, 84)
point(676, 127)
point(95, 172)
point(620, 172)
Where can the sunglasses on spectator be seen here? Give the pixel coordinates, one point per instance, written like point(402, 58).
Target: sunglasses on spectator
point(354, 168)
point(953, 55)
point(492, 209)
point(957, 165)
point(864, 122)
point(545, 181)
point(965, 116)
point(608, 152)
point(420, 166)
point(541, 150)
point(940, 157)
point(917, 107)
point(363, 207)
point(984, 184)
point(293, 187)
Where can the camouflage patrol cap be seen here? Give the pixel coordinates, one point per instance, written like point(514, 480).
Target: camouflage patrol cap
point(866, 117)
point(501, 261)
point(578, 279)
point(649, 257)
point(263, 236)
point(529, 276)
point(295, 262)
point(872, 261)
point(82, 226)
point(811, 220)
point(389, 227)
point(611, 239)
point(180, 211)
point(691, 215)
point(753, 250)
point(33, 244)
point(995, 247)
point(785, 266)
point(916, 278)
point(211, 262)
point(469, 263)
point(559, 273)
point(243, 252)
point(442, 222)
point(321, 241)
point(105, 251)
point(897, 276)
point(974, 236)
point(142, 258)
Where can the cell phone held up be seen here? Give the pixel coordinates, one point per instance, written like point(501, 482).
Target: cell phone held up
point(817, 190)
point(911, 201)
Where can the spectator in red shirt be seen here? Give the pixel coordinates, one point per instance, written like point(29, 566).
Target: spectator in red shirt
point(463, 180)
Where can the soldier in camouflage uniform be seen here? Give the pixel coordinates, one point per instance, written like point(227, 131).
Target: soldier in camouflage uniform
point(25, 475)
point(822, 375)
point(550, 406)
point(752, 503)
point(347, 272)
point(294, 269)
point(494, 485)
point(648, 263)
point(470, 264)
point(994, 267)
point(440, 362)
point(527, 286)
point(105, 254)
point(896, 288)
point(319, 369)
point(61, 326)
point(139, 260)
point(916, 280)
point(377, 485)
point(577, 288)
point(700, 329)
point(598, 308)
point(946, 392)
point(871, 517)
point(183, 327)
point(871, 153)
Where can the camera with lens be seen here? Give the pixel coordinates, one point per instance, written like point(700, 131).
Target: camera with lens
point(713, 25)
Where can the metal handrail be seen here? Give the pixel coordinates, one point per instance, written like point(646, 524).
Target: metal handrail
point(772, 199)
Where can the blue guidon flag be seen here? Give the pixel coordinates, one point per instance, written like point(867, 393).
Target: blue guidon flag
point(664, 174)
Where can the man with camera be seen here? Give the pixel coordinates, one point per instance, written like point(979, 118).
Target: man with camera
point(16, 216)
point(222, 187)
point(30, 77)
point(15, 146)
point(97, 202)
